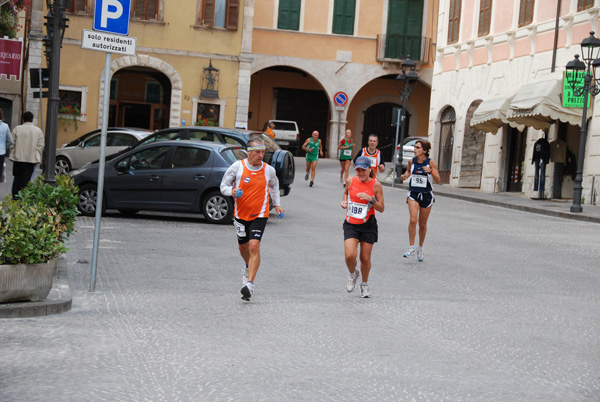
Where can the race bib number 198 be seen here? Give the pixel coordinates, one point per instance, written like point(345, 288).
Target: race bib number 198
point(357, 210)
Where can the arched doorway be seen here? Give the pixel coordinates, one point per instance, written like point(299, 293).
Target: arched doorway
point(445, 144)
point(471, 161)
point(139, 97)
point(6, 105)
point(378, 120)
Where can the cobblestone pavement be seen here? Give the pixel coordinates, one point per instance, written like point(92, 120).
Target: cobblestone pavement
point(504, 308)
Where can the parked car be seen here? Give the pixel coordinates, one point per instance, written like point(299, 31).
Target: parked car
point(86, 148)
point(287, 135)
point(408, 150)
point(281, 160)
point(172, 176)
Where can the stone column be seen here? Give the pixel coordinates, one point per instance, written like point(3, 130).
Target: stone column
point(245, 67)
point(36, 52)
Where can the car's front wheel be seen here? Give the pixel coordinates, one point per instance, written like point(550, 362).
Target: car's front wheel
point(86, 203)
point(217, 208)
point(62, 165)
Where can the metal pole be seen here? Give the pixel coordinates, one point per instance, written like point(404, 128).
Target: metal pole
point(101, 164)
point(41, 97)
point(402, 131)
point(578, 188)
point(394, 178)
point(53, 88)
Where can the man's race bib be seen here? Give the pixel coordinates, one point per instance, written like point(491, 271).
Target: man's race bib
point(373, 162)
point(418, 180)
point(239, 229)
point(347, 152)
point(357, 210)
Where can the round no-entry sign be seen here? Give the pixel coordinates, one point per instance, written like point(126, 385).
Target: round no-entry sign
point(340, 98)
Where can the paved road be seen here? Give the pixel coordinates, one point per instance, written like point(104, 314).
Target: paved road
point(504, 308)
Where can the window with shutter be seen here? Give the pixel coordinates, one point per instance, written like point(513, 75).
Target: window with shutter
point(526, 12)
point(584, 4)
point(220, 14)
point(289, 14)
point(454, 21)
point(147, 10)
point(343, 17)
point(76, 6)
point(485, 16)
point(404, 29)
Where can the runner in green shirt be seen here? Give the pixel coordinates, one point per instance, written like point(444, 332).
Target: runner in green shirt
point(345, 147)
point(313, 149)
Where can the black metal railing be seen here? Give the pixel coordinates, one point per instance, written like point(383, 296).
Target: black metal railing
point(397, 47)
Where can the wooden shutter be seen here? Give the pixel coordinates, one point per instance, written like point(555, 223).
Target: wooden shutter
point(526, 12)
point(343, 17)
point(485, 15)
point(145, 9)
point(584, 4)
point(453, 21)
point(233, 11)
point(208, 12)
point(289, 15)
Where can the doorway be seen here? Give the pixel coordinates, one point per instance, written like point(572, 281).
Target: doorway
point(378, 120)
point(516, 159)
point(139, 97)
point(446, 143)
point(471, 161)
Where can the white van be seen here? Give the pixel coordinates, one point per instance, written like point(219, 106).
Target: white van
point(287, 134)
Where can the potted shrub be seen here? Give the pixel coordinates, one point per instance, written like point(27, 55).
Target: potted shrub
point(33, 231)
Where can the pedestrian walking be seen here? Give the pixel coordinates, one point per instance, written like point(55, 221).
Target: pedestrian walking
point(313, 149)
point(421, 170)
point(374, 155)
point(6, 141)
point(345, 146)
point(363, 195)
point(250, 182)
point(25, 152)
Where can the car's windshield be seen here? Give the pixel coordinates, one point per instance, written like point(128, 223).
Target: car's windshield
point(234, 154)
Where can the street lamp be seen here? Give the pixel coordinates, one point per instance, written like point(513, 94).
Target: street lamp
point(407, 81)
point(575, 70)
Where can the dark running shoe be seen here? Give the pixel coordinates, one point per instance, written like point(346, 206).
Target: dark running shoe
point(247, 291)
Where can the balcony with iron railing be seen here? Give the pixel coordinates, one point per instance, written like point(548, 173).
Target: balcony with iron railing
point(393, 48)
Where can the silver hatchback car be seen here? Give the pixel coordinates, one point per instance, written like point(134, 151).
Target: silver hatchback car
point(408, 150)
point(75, 154)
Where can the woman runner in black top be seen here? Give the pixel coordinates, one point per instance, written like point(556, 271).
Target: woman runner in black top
point(421, 170)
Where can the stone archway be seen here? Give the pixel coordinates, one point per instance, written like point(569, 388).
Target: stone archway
point(157, 64)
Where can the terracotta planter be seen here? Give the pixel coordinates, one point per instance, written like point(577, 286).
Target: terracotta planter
point(22, 282)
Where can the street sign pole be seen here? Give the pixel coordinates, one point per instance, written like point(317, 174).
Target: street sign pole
point(41, 98)
point(395, 162)
point(110, 16)
point(101, 165)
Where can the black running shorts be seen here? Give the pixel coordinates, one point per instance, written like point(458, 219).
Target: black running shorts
point(365, 232)
point(425, 199)
point(249, 230)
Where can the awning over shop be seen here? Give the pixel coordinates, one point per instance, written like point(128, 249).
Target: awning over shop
point(539, 103)
point(491, 114)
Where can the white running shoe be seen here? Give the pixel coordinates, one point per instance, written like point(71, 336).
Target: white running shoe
point(420, 253)
point(247, 291)
point(351, 283)
point(341, 180)
point(410, 252)
point(244, 275)
point(364, 290)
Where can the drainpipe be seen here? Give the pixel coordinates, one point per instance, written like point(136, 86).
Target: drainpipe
point(556, 35)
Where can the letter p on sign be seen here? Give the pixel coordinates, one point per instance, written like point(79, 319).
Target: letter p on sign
point(110, 9)
point(112, 16)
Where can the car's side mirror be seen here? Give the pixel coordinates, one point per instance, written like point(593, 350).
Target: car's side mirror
point(122, 166)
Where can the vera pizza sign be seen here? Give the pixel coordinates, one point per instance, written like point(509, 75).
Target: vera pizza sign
point(10, 58)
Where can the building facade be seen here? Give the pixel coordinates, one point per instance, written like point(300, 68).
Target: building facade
point(306, 51)
point(491, 56)
point(185, 70)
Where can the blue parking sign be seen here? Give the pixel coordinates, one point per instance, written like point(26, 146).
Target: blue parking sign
point(112, 16)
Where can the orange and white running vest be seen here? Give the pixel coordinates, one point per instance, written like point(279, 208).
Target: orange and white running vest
point(359, 210)
point(254, 202)
point(374, 160)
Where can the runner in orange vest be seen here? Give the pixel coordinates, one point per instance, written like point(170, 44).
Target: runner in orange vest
point(363, 195)
point(250, 182)
point(374, 155)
